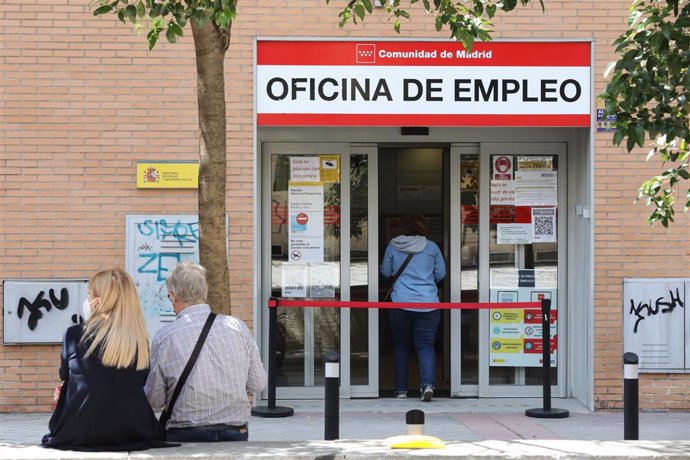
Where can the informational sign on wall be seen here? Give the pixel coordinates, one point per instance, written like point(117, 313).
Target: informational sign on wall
point(515, 337)
point(168, 174)
point(655, 323)
point(39, 311)
point(423, 83)
point(154, 245)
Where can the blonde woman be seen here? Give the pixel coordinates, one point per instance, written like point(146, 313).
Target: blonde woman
point(104, 364)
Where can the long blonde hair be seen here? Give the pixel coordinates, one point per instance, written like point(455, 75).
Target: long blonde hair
point(117, 324)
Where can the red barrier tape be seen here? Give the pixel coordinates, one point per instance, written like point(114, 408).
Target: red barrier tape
point(443, 305)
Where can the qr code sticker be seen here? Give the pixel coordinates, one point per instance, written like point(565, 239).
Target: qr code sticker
point(543, 225)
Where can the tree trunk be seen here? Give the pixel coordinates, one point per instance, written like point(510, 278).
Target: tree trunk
point(210, 44)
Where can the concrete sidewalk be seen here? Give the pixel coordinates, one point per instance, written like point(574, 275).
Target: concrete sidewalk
point(471, 428)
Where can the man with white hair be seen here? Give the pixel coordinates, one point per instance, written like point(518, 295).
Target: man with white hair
point(212, 405)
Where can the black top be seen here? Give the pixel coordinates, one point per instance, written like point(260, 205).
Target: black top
point(100, 408)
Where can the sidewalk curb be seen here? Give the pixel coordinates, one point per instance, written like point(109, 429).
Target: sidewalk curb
point(367, 449)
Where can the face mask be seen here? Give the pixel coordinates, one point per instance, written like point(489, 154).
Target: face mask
point(86, 309)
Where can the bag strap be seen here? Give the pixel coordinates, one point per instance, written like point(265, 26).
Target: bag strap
point(397, 275)
point(165, 416)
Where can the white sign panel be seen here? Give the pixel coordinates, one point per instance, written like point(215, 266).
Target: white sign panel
point(323, 278)
point(513, 233)
point(418, 83)
point(155, 244)
point(306, 227)
point(39, 311)
point(503, 192)
point(536, 188)
point(294, 280)
point(655, 323)
point(305, 169)
point(543, 225)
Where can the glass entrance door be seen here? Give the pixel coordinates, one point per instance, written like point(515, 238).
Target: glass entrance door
point(522, 213)
point(316, 205)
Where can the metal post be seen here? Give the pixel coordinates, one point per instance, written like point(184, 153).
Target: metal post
point(272, 411)
point(546, 411)
point(631, 396)
point(415, 422)
point(332, 409)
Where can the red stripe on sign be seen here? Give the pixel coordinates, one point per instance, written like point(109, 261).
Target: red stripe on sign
point(329, 119)
point(382, 53)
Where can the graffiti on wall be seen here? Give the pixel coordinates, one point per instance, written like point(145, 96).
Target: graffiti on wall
point(39, 311)
point(655, 323)
point(155, 244)
point(645, 308)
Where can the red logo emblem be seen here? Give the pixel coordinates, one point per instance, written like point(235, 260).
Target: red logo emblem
point(366, 54)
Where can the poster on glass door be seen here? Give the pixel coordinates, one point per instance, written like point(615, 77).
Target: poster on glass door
point(306, 226)
point(515, 338)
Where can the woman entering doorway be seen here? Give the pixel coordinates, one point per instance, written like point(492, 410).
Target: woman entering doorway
point(416, 266)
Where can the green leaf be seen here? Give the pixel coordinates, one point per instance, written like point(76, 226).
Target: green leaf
point(170, 35)
point(131, 13)
point(102, 10)
point(360, 11)
point(639, 135)
point(369, 7)
point(427, 5)
point(631, 140)
point(152, 38)
point(176, 29)
point(439, 23)
point(141, 9)
point(682, 172)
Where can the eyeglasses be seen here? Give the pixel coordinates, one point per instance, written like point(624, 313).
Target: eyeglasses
point(171, 296)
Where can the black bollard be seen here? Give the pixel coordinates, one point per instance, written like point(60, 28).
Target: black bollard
point(415, 422)
point(272, 411)
point(546, 411)
point(332, 396)
point(631, 397)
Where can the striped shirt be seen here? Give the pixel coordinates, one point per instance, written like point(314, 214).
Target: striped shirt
point(228, 367)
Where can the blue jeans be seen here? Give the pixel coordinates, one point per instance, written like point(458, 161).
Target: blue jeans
point(418, 329)
point(209, 433)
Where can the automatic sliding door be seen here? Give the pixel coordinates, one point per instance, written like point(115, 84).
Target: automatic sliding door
point(306, 244)
point(525, 196)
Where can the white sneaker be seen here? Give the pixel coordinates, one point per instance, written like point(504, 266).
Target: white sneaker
point(401, 394)
point(426, 393)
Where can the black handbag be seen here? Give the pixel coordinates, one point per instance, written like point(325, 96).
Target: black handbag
point(167, 412)
point(387, 298)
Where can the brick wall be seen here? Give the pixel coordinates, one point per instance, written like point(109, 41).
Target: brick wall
point(82, 99)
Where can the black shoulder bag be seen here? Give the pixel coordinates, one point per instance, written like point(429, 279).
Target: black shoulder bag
point(396, 276)
point(165, 415)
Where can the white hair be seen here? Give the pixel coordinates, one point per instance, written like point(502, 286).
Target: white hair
point(188, 281)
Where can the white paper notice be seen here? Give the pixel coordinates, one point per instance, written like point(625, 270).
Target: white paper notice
point(543, 225)
point(305, 203)
point(513, 233)
point(305, 169)
point(294, 280)
point(322, 280)
point(536, 188)
point(503, 192)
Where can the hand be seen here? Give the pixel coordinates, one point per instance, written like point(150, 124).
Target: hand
point(56, 392)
